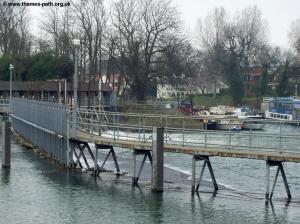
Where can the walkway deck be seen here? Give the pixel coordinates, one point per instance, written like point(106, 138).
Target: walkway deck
point(247, 154)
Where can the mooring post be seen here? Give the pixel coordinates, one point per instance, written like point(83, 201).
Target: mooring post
point(6, 151)
point(193, 173)
point(134, 168)
point(158, 159)
point(267, 180)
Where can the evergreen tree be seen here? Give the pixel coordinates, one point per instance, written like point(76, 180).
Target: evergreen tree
point(283, 89)
point(236, 89)
point(264, 81)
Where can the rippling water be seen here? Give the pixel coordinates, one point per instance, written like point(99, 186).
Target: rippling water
point(36, 191)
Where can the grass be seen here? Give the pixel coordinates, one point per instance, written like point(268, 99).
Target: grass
point(199, 101)
point(160, 120)
point(208, 101)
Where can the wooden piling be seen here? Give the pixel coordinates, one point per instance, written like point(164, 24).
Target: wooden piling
point(157, 159)
point(6, 150)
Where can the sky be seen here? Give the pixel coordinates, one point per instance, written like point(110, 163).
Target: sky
point(278, 13)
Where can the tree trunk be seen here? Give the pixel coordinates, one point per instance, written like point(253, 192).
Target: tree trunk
point(140, 92)
point(215, 88)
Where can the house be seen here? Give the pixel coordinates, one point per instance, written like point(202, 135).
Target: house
point(183, 90)
point(256, 74)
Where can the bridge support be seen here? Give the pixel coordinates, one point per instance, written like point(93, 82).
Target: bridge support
point(270, 163)
point(206, 160)
point(77, 149)
point(157, 162)
point(146, 154)
point(111, 152)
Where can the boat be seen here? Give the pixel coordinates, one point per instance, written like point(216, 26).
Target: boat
point(251, 121)
point(283, 108)
point(221, 110)
point(231, 125)
point(209, 124)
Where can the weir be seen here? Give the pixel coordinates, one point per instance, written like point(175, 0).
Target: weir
point(47, 125)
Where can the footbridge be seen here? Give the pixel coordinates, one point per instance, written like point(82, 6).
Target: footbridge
point(48, 126)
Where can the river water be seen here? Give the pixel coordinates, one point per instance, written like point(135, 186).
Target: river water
point(35, 190)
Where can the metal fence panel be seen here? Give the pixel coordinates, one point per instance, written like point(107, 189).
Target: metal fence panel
point(42, 123)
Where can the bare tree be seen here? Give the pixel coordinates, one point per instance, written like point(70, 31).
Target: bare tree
point(58, 23)
point(14, 35)
point(91, 21)
point(247, 35)
point(142, 26)
point(232, 45)
point(294, 35)
point(15, 39)
point(212, 37)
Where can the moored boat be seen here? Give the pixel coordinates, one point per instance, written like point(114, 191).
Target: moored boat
point(252, 125)
point(232, 125)
point(283, 108)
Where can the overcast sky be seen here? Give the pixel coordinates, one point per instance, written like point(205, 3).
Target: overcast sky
point(278, 13)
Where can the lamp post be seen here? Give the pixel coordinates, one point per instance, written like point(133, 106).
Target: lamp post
point(11, 67)
point(76, 43)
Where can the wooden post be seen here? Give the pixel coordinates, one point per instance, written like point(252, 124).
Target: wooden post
point(267, 179)
point(193, 173)
point(158, 159)
point(6, 151)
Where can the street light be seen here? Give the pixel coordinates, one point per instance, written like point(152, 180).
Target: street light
point(11, 67)
point(76, 43)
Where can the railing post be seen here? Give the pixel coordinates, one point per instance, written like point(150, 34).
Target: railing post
point(158, 159)
point(229, 136)
point(251, 133)
point(114, 126)
point(118, 128)
point(280, 135)
point(99, 128)
point(183, 130)
point(139, 127)
point(205, 130)
point(166, 129)
point(144, 129)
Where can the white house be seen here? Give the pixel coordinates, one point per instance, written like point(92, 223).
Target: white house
point(182, 91)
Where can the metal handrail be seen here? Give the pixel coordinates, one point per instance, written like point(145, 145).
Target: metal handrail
point(206, 138)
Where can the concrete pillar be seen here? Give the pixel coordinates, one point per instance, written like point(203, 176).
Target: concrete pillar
point(157, 159)
point(6, 152)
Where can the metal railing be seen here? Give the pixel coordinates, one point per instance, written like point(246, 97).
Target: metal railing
point(281, 136)
point(44, 124)
point(191, 131)
point(4, 105)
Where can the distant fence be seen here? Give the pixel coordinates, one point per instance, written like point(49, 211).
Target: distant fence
point(42, 123)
